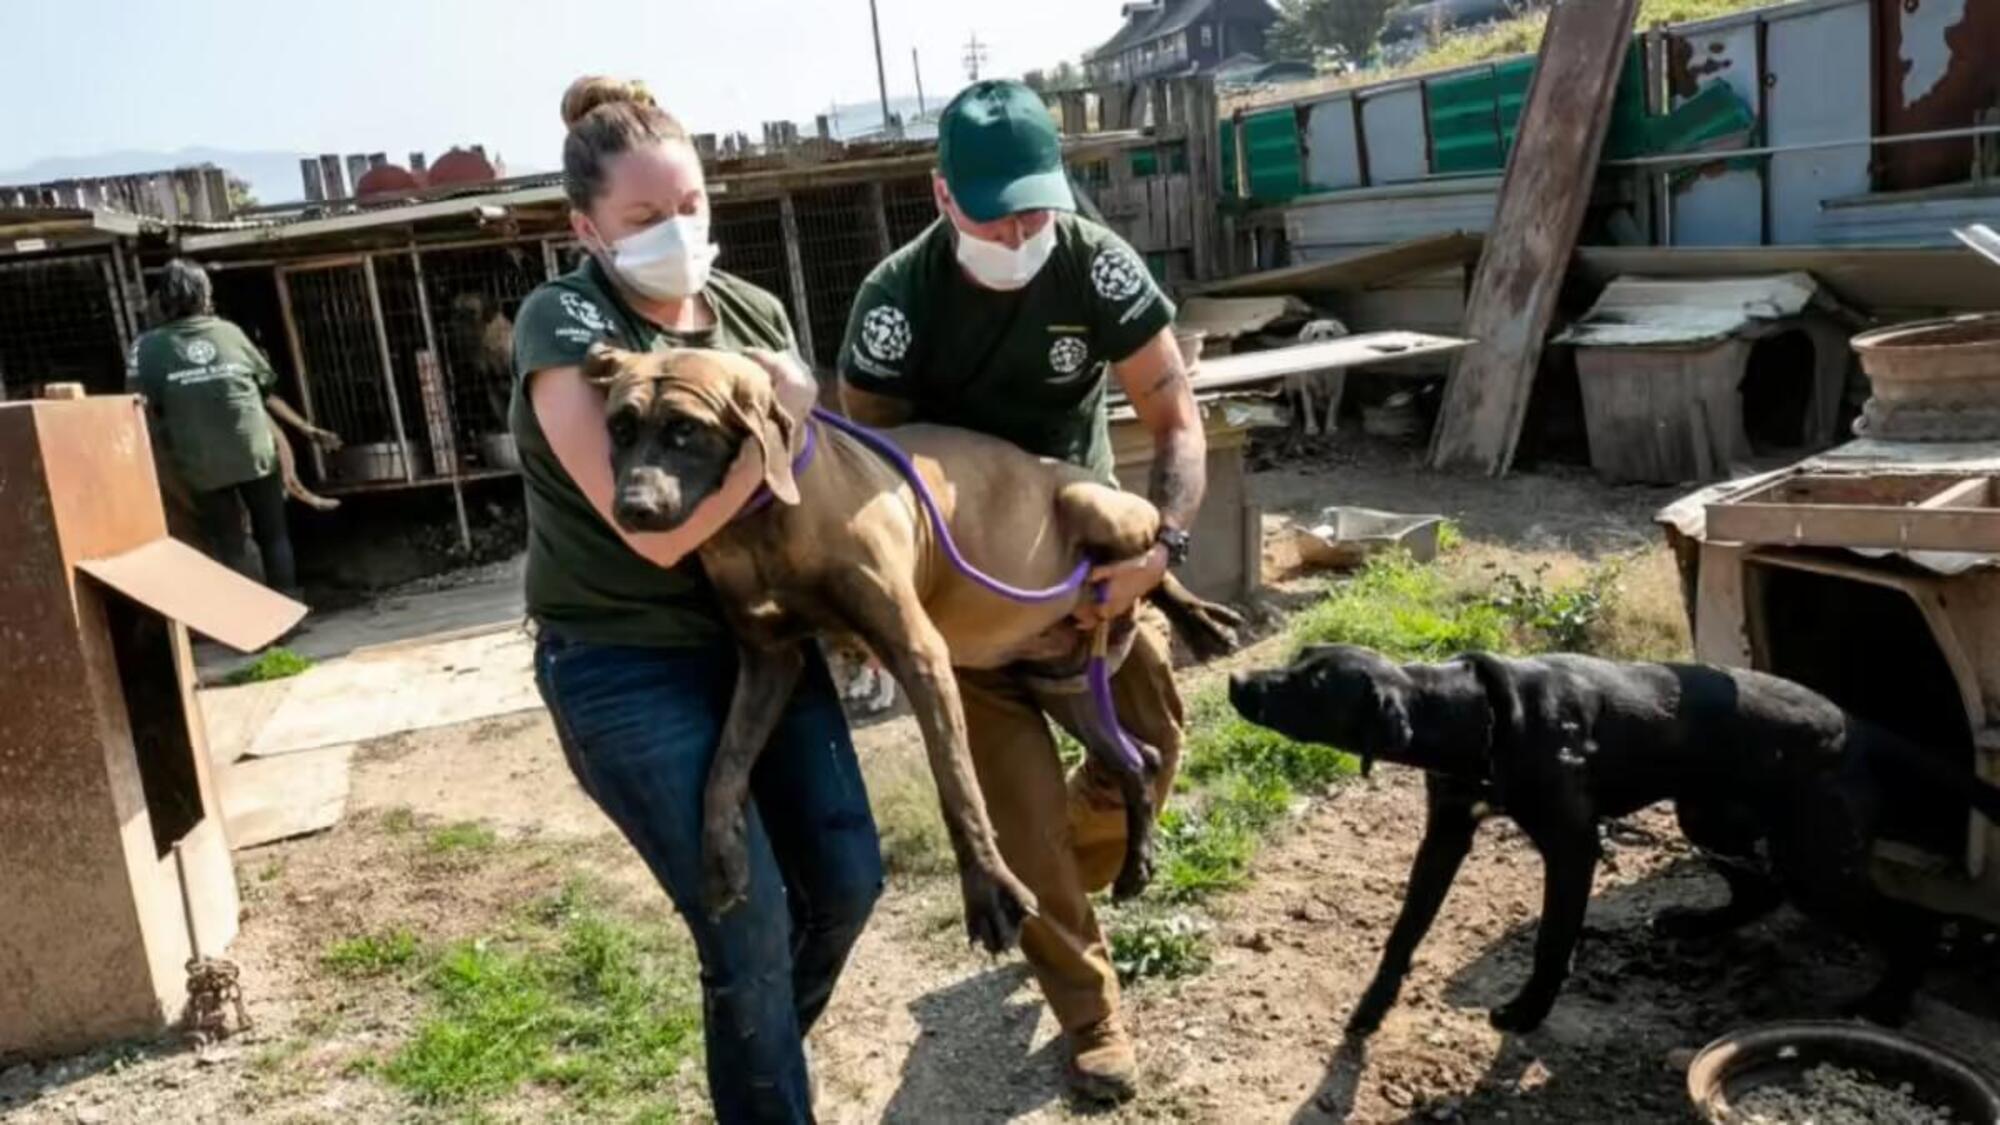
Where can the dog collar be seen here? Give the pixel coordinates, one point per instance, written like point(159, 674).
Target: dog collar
point(762, 498)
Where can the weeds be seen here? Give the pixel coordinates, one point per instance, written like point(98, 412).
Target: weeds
point(1147, 945)
point(278, 663)
point(1567, 619)
point(1404, 609)
point(399, 821)
point(578, 1000)
point(461, 838)
point(370, 955)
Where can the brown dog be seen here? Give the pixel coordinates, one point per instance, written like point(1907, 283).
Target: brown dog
point(846, 550)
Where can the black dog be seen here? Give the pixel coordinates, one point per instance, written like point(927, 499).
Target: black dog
point(1560, 743)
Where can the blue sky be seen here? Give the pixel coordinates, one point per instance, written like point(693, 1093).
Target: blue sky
point(396, 75)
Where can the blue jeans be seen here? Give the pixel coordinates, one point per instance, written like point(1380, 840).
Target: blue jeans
point(640, 727)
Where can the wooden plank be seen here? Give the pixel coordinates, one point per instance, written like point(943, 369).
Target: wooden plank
point(388, 368)
point(1251, 368)
point(1869, 526)
point(795, 268)
point(269, 799)
point(1205, 185)
point(1974, 493)
point(878, 211)
point(299, 368)
point(1542, 201)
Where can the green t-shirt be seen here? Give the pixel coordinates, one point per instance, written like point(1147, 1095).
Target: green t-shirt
point(205, 384)
point(582, 578)
point(1028, 365)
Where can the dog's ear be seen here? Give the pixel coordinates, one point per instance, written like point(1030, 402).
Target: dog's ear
point(603, 364)
point(755, 407)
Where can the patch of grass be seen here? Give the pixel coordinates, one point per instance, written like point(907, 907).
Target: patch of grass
point(399, 821)
point(272, 871)
point(371, 955)
point(464, 837)
point(278, 663)
point(1405, 609)
point(577, 1000)
point(1561, 618)
point(1221, 743)
point(1153, 945)
point(900, 790)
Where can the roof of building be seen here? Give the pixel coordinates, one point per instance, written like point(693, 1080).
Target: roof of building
point(1146, 25)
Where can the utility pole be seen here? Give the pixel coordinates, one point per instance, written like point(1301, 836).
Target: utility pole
point(881, 77)
point(975, 57)
point(917, 68)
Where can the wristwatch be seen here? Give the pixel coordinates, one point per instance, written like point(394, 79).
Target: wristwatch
point(1177, 542)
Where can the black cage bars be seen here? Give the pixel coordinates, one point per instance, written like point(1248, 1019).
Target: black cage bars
point(61, 322)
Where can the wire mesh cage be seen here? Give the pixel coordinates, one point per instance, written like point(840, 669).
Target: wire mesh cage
point(752, 237)
point(910, 206)
point(339, 353)
point(474, 295)
point(839, 243)
point(59, 323)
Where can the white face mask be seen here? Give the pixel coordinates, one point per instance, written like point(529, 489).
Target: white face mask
point(667, 261)
point(997, 267)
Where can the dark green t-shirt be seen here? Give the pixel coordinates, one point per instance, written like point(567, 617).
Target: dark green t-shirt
point(582, 578)
point(1027, 366)
point(205, 383)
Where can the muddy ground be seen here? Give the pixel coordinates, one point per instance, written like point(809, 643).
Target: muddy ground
point(923, 1030)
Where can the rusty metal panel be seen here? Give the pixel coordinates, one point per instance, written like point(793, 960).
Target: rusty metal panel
point(1393, 133)
point(182, 583)
point(1333, 146)
point(1717, 205)
point(1937, 65)
point(1813, 95)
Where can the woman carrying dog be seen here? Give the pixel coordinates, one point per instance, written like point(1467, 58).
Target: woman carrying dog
point(633, 657)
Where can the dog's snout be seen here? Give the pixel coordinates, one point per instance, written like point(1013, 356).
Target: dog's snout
point(645, 499)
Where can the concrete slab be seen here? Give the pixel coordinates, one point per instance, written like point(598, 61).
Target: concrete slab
point(377, 692)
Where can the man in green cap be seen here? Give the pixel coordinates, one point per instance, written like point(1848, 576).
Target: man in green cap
point(1003, 317)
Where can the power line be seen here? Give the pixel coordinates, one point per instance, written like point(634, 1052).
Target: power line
point(975, 57)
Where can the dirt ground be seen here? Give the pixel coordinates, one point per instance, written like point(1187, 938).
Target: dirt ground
point(924, 1030)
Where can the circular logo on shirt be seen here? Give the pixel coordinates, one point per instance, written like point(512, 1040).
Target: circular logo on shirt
point(885, 333)
point(201, 353)
point(1116, 274)
point(585, 313)
point(1067, 355)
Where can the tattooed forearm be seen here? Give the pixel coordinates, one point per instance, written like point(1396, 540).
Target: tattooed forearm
point(1180, 475)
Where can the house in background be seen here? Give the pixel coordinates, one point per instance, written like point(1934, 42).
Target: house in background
point(1164, 38)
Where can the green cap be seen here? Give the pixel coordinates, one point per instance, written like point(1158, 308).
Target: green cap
point(999, 152)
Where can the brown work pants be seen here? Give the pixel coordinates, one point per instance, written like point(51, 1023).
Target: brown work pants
point(1065, 838)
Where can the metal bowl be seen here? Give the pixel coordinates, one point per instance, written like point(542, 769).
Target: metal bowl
point(1781, 1053)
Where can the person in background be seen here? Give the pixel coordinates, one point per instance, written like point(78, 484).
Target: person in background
point(632, 654)
point(1004, 317)
point(208, 397)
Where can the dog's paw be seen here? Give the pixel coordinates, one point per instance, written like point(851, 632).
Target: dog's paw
point(1520, 1016)
point(996, 905)
point(725, 869)
point(1136, 875)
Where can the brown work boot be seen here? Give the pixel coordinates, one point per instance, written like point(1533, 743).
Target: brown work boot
point(1103, 1065)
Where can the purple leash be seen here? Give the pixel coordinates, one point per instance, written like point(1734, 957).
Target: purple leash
point(1097, 673)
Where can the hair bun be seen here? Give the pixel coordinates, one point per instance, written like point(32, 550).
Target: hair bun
point(593, 90)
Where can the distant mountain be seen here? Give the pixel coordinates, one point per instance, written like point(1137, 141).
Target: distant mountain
point(856, 119)
point(273, 176)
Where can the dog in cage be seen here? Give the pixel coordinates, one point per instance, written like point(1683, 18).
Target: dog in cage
point(1318, 393)
point(482, 337)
